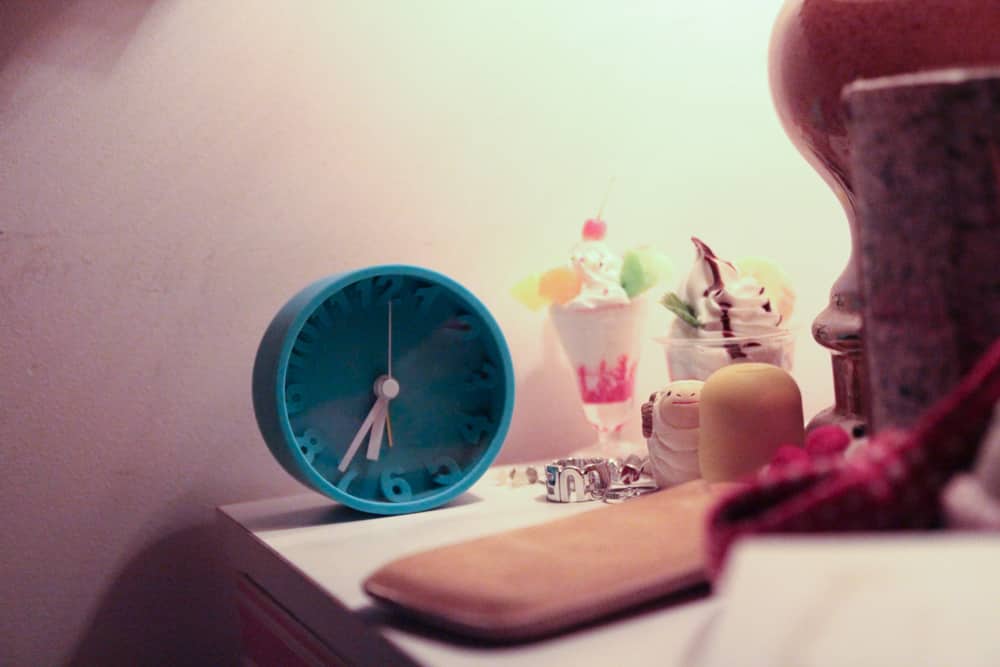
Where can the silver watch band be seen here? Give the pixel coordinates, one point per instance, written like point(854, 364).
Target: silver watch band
point(576, 480)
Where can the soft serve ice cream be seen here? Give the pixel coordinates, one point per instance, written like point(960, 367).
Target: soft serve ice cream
point(726, 315)
point(724, 302)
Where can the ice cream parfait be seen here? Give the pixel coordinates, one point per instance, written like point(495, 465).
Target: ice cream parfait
point(728, 313)
point(602, 346)
point(598, 310)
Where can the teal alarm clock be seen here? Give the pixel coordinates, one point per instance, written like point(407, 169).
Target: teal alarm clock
point(389, 389)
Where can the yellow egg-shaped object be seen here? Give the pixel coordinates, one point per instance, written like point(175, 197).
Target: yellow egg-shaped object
point(748, 410)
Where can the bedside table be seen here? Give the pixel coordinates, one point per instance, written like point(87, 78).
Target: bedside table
point(299, 563)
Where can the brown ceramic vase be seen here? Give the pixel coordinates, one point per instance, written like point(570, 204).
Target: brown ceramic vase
point(817, 48)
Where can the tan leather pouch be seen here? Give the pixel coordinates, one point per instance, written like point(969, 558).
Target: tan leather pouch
point(542, 579)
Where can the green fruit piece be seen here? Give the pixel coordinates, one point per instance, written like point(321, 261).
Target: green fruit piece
point(656, 263)
point(642, 268)
point(526, 291)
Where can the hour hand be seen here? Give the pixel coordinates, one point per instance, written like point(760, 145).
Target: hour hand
point(360, 435)
point(386, 388)
point(378, 426)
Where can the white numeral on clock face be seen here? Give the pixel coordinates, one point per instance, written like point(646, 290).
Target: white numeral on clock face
point(295, 399)
point(444, 471)
point(340, 302)
point(310, 332)
point(310, 443)
point(303, 348)
point(345, 481)
point(321, 318)
point(364, 290)
point(426, 297)
point(389, 287)
point(484, 377)
point(474, 427)
point(470, 327)
point(394, 487)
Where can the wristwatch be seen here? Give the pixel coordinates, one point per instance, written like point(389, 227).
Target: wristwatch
point(576, 480)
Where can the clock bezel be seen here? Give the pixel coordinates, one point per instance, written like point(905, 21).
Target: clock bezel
point(271, 369)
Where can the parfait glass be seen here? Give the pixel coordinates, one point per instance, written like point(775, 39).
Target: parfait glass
point(602, 346)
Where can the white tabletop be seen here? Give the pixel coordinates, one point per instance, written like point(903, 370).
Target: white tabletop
point(916, 599)
point(333, 549)
point(894, 598)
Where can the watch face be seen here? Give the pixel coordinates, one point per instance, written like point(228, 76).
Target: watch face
point(389, 389)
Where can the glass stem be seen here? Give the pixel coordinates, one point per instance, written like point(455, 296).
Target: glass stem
point(609, 442)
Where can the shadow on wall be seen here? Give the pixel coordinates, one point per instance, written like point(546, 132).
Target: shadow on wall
point(24, 20)
point(565, 428)
point(167, 595)
point(76, 34)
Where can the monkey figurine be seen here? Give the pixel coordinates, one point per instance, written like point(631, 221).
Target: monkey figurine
point(670, 425)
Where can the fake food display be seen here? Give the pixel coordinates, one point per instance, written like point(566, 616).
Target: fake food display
point(595, 276)
point(597, 305)
point(726, 314)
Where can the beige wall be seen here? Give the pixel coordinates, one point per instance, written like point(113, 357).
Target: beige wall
point(171, 171)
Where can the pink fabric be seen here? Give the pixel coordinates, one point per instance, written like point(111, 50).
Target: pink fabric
point(895, 483)
point(827, 440)
point(788, 454)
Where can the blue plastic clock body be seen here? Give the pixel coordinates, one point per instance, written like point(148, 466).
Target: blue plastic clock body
point(325, 351)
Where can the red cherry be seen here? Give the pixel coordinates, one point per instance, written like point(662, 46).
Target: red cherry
point(594, 229)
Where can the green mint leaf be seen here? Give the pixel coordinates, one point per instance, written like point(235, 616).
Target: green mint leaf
point(675, 305)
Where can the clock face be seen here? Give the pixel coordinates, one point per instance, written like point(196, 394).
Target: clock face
point(389, 389)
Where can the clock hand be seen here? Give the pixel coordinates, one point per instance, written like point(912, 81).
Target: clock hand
point(388, 420)
point(386, 388)
point(360, 435)
point(375, 440)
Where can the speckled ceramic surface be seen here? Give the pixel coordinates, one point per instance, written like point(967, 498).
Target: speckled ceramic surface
point(818, 47)
point(926, 172)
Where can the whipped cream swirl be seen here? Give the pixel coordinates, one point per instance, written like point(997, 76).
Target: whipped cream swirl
point(726, 303)
point(600, 270)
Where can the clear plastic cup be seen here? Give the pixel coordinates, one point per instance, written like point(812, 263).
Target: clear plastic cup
point(697, 358)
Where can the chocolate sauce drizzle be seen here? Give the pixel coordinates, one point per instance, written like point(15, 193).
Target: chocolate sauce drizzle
point(713, 265)
point(717, 287)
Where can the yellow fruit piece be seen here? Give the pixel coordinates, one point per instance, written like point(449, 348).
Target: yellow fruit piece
point(559, 285)
point(526, 291)
point(775, 281)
